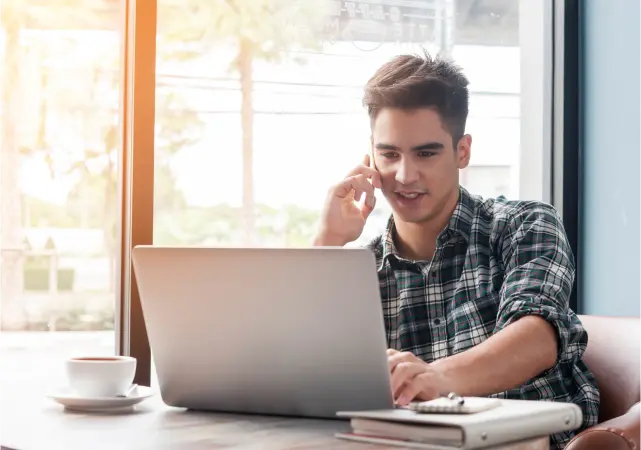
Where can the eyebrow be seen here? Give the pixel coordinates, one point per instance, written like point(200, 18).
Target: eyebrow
point(418, 148)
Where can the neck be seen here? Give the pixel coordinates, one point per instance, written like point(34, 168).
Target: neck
point(417, 240)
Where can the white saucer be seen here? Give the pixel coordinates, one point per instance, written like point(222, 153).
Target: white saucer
point(72, 401)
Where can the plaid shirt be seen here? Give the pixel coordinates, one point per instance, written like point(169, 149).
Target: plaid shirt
point(494, 263)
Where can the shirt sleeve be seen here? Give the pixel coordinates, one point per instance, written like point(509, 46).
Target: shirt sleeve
point(539, 274)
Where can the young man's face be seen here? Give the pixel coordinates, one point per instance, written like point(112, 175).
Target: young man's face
point(417, 161)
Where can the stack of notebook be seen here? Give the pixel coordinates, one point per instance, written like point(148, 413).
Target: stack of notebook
point(473, 424)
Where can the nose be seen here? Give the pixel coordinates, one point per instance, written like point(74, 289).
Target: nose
point(407, 172)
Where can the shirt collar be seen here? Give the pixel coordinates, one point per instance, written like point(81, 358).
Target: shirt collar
point(460, 223)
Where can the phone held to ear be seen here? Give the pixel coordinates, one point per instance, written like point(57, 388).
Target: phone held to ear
point(372, 164)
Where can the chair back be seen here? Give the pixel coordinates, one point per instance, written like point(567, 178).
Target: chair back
point(613, 357)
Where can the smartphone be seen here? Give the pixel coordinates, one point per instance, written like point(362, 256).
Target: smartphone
point(372, 164)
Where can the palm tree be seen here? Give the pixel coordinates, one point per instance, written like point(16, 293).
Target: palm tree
point(260, 30)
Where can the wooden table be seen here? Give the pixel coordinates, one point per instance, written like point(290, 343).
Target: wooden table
point(38, 423)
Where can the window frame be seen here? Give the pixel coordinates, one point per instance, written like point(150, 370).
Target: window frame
point(566, 117)
point(136, 174)
point(536, 41)
point(550, 140)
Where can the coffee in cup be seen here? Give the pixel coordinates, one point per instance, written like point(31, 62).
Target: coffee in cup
point(101, 376)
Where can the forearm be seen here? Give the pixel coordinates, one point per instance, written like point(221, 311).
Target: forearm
point(328, 240)
point(506, 360)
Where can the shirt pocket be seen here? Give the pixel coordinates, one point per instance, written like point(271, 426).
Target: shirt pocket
point(471, 322)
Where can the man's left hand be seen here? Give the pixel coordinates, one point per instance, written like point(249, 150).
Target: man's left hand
point(413, 378)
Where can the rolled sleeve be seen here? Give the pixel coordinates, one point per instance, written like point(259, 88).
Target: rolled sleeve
point(539, 275)
point(571, 337)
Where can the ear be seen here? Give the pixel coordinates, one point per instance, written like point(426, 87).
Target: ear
point(464, 150)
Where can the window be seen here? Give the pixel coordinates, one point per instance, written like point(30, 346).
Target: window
point(487, 181)
point(59, 142)
point(253, 127)
point(259, 107)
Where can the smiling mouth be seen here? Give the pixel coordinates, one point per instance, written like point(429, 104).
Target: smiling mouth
point(409, 195)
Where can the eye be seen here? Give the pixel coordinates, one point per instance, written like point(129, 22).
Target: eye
point(389, 155)
point(426, 154)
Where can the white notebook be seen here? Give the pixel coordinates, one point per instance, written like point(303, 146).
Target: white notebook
point(510, 421)
point(470, 405)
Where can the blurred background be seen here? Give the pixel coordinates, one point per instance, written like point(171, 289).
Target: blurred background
point(258, 112)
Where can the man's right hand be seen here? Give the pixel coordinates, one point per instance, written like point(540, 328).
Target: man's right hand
point(343, 219)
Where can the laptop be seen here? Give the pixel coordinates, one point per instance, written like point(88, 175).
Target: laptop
point(292, 332)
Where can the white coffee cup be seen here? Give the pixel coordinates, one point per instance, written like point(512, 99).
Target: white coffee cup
point(101, 376)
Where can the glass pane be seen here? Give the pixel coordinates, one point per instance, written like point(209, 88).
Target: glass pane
point(487, 181)
point(60, 81)
point(259, 106)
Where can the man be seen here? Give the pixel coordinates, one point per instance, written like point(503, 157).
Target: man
point(475, 292)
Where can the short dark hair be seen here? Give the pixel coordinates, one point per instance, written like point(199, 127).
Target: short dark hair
point(420, 81)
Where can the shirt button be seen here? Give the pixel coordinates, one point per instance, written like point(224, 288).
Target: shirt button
point(433, 273)
point(437, 321)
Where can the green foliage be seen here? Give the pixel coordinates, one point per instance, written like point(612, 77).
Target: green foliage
point(43, 214)
point(270, 26)
point(301, 226)
point(186, 29)
point(37, 279)
point(71, 14)
point(177, 125)
point(221, 225)
point(81, 320)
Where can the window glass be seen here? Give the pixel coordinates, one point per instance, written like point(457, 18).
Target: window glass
point(59, 142)
point(259, 110)
point(259, 113)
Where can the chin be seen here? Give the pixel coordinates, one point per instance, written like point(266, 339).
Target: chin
point(413, 217)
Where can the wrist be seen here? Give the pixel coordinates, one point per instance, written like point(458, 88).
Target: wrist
point(324, 239)
point(447, 377)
